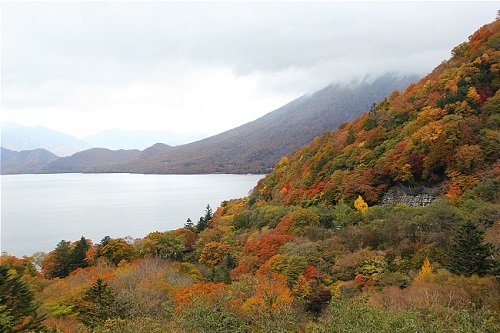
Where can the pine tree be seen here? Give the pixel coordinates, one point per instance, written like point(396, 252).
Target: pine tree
point(18, 312)
point(468, 254)
point(61, 261)
point(78, 254)
point(203, 222)
point(189, 224)
point(100, 304)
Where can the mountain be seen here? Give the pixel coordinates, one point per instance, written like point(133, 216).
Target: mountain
point(27, 161)
point(251, 148)
point(257, 146)
point(116, 139)
point(440, 132)
point(18, 137)
point(93, 160)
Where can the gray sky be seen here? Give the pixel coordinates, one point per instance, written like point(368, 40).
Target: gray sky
point(80, 67)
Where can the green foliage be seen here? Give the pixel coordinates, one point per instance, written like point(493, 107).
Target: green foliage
point(355, 316)
point(204, 316)
point(166, 244)
point(78, 253)
point(266, 216)
point(100, 304)
point(116, 250)
point(204, 220)
point(66, 258)
point(303, 218)
point(468, 254)
point(60, 264)
point(56, 309)
point(18, 311)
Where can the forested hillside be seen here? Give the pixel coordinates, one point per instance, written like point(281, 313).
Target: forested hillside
point(441, 131)
point(313, 249)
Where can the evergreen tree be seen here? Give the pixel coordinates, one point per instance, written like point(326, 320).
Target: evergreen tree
point(468, 254)
point(18, 312)
point(189, 224)
point(78, 254)
point(60, 261)
point(100, 304)
point(201, 225)
point(203, 222)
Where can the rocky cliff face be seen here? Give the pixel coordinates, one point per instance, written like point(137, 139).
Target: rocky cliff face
point(418, 196)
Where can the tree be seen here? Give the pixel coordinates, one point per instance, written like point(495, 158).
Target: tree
point(57, 263)
point(468, 253)
point(214, 253)
point(360, 204)
point(78, 255)
point(189, 224)
point(168, 244)
point(203, 222)
point(117, 250)
point(426, 267)
point(18, 312)
point(99, 305)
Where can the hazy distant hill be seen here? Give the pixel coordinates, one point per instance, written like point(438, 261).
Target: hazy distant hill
point(121, 139)
point(18, 137)
point(92, 160)
point(257, 146)
point(26, 161)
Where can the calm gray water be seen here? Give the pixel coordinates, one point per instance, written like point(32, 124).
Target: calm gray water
point(38, 211)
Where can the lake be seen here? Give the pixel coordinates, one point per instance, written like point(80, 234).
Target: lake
point(38, 211)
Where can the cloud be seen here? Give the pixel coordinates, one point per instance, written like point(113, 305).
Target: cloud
point(210, 65)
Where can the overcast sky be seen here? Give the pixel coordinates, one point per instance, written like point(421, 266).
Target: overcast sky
point(80, 67)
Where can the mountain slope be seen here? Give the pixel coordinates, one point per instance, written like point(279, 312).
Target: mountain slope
point(257, 146)
point(17, 137)
point(121, 139)
point(443, 130)
point(26, 161)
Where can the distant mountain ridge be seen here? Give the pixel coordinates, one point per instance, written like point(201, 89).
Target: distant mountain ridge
point(26, 161)
point(254, 147)
point(17, 137)
point(116, 139)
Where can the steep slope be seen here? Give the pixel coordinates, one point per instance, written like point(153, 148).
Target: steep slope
point(257, 146)
point(443, 130)
point(18, 137)
point(26, 161)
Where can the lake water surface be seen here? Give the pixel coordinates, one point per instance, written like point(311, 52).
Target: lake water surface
point(38, 211)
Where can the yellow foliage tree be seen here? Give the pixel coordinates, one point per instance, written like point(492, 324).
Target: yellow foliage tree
point(426, 268)
point(271, 294)
point(473, 96)
point(360, 204)
point(213, 253)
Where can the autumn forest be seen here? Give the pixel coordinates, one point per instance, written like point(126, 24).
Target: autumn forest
point(389, 223)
